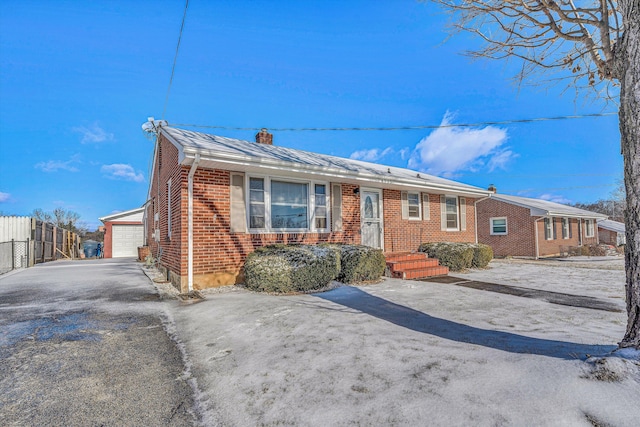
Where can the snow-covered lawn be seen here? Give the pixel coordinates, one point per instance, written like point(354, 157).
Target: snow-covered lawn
point(414, 353)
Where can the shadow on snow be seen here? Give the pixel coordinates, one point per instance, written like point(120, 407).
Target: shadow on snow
point(409, 318)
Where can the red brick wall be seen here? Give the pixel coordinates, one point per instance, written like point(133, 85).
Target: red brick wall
point(406, 235)
point(520, 237)
point(174, 249)
point(607, 237)
point(108, 240)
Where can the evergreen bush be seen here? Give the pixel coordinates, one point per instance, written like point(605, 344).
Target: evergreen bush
point(360, 264)
point(456, 256)
point(291, 268)
point(482, 255)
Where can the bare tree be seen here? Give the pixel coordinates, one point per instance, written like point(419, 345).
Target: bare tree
point(60, 217)
point(590, 44)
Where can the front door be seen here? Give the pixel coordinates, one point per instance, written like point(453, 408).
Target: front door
point(371, 218)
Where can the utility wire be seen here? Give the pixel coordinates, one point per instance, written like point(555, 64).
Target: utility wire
point(318, 129)
point(560, 188)
point(175, 58)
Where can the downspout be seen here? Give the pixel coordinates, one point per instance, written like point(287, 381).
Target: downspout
point(535, 226)
point(475, 211)
point(192, 172)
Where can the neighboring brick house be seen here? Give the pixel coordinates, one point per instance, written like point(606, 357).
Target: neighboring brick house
point(611, 232)
point(533, 228)
point(213, 200)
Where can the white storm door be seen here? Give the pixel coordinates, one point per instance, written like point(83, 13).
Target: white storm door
point(371, 218)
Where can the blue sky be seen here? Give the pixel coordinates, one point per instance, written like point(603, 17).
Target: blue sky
point(78, 79)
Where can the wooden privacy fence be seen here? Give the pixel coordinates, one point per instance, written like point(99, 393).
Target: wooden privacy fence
point(26, 241)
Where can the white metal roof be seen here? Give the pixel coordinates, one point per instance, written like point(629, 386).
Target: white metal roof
point(541, 207)
point(133, 215)
point(610, 225)
point(238, 155)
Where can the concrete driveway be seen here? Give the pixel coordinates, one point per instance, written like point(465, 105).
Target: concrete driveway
point(84, 343)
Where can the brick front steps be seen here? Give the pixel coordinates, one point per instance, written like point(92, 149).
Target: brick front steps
point(413, 265)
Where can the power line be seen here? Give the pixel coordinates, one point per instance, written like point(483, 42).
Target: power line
point(561, 188)
point(396, 128)
point(175, 58)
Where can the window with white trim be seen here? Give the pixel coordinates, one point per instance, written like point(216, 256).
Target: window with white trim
point(320, 212)
point(257, 209)
point(498, 226)
point(548, 228)
point(451, 211)
point(565, 228)
point(287, 205)
point(589, 228)
point(413, 203)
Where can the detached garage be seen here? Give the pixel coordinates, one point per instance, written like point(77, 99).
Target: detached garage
point(123, 233)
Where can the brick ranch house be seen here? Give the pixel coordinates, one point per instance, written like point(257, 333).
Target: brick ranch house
point(533, 228)
point(213, 200)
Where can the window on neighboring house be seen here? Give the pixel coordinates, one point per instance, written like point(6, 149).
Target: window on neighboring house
point(451, 210)
point(590, 229)
point(566, 231)
point(498, 226)
point(169, 209)
point(321, 206)
point(548, 228)
point(256, 203)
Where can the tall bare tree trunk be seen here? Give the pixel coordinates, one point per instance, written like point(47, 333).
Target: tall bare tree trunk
point(627, 64)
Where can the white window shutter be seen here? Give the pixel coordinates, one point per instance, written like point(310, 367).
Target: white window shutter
point(404, 199)
point(336, 207)
point(443, 213)
point(463, 214)
point(238, 223)
point(426, 214)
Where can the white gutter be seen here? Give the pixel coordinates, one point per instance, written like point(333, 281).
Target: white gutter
point(192, 172)
point(535, 225)
point(475, 211)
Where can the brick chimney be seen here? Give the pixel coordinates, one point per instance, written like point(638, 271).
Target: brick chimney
point(264, 137)
point(492, 188)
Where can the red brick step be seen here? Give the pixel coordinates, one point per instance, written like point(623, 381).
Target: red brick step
point(413, 265)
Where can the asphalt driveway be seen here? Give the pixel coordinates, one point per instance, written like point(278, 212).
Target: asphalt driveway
point(84, 343)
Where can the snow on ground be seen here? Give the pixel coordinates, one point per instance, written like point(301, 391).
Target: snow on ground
point(414, 353)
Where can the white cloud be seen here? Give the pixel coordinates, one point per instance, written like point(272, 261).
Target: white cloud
point(370, 155)
point(93, 134)
point(56, 165)
point(4, 196)
point(122, 172)
point(451, 149)
point(555, 198)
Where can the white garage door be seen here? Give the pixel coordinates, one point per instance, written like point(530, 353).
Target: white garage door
point(126, 239)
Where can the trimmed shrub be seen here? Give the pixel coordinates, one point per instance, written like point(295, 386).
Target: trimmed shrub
point(291, 268)
point(456, 256)
point(360, 263)
point(482, 255)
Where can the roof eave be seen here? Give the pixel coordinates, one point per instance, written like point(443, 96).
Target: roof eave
point(189, 155)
